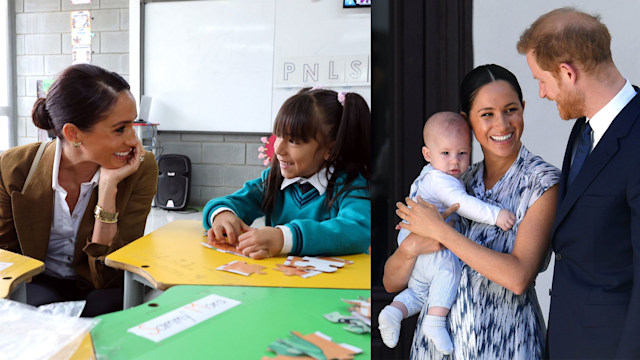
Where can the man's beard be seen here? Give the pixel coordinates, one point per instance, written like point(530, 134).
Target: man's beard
point(570, 104)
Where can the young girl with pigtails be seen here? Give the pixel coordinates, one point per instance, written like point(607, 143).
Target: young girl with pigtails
point(314, 195)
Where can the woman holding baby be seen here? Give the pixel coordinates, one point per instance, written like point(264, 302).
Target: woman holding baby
point(496, 313)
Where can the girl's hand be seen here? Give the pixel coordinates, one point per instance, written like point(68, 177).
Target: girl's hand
point(423, 218)
point(114, 176)
point(226, 223)
point(261, 243)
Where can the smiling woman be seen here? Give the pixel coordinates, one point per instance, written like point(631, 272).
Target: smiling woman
point(496, 313)
point(92, 188)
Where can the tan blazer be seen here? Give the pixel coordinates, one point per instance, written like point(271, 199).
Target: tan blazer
point(25, 219)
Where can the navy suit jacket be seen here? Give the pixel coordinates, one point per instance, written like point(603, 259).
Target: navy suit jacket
point(595, 300)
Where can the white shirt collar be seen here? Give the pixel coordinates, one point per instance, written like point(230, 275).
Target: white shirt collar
point(318, 180)
point(601, 121)
point(56, 170)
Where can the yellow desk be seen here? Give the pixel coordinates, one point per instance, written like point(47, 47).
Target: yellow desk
point(85, 351)
point(174, 255)
point(13, 277)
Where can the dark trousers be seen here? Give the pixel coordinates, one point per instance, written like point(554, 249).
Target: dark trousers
point(45, 290)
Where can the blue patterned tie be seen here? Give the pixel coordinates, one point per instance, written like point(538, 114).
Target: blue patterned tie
point(582, 151)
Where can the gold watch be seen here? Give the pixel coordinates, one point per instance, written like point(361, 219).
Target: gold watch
point(105, 216)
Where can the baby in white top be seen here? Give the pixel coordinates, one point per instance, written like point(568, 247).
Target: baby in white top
point(435, 277)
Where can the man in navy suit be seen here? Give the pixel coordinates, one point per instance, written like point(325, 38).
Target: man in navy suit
point(595, 300)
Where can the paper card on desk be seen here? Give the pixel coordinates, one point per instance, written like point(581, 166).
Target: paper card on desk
point(361, 308)
point(242, 268)
point(223, 249)
point(290, 270)
point(183, 318)
point(4, 265)
point(316, 263)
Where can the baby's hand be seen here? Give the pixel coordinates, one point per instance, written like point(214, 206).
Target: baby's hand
point(506, 219)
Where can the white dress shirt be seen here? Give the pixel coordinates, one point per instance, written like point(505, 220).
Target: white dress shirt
point(64, 226)
point(601, 121)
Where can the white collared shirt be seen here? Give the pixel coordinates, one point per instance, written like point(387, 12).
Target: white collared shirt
point(64, 226)
point(601, 121)
point(318, 180)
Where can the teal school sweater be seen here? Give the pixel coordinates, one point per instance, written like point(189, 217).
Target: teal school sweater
point(343, 229)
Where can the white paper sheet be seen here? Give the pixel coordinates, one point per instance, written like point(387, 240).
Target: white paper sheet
point(183, 318)
point(4, 265)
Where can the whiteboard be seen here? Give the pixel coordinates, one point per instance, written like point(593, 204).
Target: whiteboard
point(315, 33)
point(217, 65)
point(208, 65)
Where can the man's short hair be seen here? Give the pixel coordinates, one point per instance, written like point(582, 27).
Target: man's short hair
point(567, 35)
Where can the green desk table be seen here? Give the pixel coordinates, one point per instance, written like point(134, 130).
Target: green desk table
point(242, 332)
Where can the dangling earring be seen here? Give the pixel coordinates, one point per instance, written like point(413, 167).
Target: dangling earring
point(77, 144)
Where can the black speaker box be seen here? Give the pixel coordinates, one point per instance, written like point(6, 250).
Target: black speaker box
point(174, 182)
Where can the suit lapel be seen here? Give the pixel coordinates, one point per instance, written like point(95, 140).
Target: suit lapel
point(607, 147)
point(33, 234)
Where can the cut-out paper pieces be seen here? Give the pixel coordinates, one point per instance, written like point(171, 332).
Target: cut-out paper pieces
point(330, 349)
point(180, 319)
point(346, 262)
point(223, 247)
point(242, 268)
point(287, 357)
point(308, 266)
point(316, 263)
point(353, 323)
point(296, 271)
point(313, 346)
point(296, 346)
point(360, 320)
point(360, 308)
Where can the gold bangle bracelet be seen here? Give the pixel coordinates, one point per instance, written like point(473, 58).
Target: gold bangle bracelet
point(104, 216)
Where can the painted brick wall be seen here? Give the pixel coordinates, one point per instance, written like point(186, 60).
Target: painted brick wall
point(43, 46)
point(221, 163)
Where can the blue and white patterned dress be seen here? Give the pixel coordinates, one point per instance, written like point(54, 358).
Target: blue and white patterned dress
point(487, 321)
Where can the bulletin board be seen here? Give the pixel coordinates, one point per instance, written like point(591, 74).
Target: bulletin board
point(219, 65)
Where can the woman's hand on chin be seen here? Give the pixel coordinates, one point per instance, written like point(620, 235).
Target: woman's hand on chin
point(114, 176)
point(423, 218)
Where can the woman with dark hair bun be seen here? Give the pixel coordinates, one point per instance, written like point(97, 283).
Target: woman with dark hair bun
point(72, 201)
point(496, 313)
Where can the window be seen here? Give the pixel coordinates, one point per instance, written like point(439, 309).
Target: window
point(5, 79)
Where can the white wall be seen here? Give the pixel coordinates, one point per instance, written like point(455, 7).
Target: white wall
point(497, 26)
point(258, 53)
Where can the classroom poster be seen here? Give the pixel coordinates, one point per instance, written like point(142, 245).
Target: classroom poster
point(42, 87)
point(81, 36)
point(81, 54)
